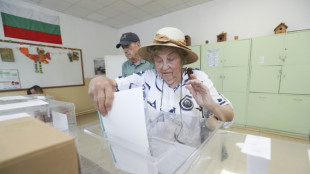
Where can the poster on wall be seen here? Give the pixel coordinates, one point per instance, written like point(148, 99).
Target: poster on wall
point(7, 55)
point(213, 57)
point(9, 79)
point(99, 66)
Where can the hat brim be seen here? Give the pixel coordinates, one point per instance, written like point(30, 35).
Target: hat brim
point(190, 58)
point(123, 43)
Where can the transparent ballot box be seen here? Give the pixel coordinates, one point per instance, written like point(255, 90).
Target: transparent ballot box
point(58, 114)
point(162, 156)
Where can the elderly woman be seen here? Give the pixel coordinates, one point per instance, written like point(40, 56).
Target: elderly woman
point(168, 87)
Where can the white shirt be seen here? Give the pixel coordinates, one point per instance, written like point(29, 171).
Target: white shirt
point(159, 96)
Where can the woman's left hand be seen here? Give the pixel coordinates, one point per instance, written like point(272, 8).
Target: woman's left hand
point(201, 93)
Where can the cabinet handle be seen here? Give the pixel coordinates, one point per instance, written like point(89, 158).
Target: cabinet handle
point(262, 97)
point(282, 58)
point(298, 99)
point(283, 76)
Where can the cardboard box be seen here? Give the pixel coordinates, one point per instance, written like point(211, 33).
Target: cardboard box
point(29, 146)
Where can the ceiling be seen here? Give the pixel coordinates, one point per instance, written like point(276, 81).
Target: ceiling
point(116, 13)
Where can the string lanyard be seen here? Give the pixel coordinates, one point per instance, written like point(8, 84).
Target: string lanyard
point(176, 135)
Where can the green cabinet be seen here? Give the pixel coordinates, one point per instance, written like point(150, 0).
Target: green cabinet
point(265, 79)
point(225, 54)
point(297, 48)
point(295, 79)
point(286, 113)
point(281, 63)
point(236, 53)
point(280, 69)
point(226, 63)
point(230, 79)
point(195, 49)
point(268, 50)
point(239, 102)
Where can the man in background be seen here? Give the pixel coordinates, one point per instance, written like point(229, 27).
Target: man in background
point(130, 43)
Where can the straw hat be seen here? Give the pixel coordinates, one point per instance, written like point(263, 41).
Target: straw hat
point(172, 37)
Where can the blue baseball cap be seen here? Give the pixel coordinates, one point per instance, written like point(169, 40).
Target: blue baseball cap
point(127, 38)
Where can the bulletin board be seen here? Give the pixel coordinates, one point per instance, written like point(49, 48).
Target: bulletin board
point(44, 65)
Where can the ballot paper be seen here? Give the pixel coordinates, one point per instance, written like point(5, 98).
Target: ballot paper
point(257, 146)
point(125, 125)
point(126, 119)
point(60, 121)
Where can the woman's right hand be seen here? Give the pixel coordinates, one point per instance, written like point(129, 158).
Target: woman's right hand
point(101, 91)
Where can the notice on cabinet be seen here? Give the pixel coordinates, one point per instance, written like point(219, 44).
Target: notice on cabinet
point(9, 79)
point(213, 57)
point(261, 59)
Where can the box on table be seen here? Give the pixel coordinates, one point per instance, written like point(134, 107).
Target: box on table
point(29, 146)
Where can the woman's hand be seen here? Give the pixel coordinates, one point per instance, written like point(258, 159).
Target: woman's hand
point(101, 91)
point(204, 99)
point(201, 93)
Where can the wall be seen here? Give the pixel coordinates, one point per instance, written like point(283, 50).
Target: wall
point(244, 18)
point(94, 40)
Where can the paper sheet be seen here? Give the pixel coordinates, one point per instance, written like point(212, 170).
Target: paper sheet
point(126, 120)
point(257, 146)
point(60, 121)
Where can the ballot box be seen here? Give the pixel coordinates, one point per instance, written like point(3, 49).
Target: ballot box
point(116, 155)
point(61, 115)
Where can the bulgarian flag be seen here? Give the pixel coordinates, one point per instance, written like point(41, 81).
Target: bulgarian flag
point(28, 24)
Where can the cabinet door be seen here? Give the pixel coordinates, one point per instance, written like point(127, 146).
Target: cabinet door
point(263, 110)
point(295, 79)
point(265, 79)
point(288, 113)
point(297, 47)
point(268, 50)
point(295, 114)
point(195, 49)
point(237, 53)
point(211, 55)
point(216, 77)
point(238, 100)
point(235, 79)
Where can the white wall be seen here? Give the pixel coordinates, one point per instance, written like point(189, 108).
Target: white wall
point(94, 39)
point(244, 18)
